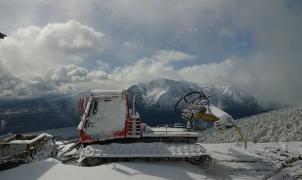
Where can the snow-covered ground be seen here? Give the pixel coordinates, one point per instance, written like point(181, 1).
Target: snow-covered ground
point(258, 161)
point(274, 126)
point(232, 161)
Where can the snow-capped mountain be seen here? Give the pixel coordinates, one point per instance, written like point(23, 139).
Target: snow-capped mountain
point(274, 126)
point(156, 104)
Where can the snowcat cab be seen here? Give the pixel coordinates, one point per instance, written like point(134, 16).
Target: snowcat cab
point(105, 115)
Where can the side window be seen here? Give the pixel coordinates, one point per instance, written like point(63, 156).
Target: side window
point(93, 108)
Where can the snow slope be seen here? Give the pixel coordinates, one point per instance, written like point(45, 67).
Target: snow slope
point(232, 162)
point(274, 126)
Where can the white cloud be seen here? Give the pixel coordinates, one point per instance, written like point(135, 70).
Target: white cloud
point(32, 49)
point(69, 73)
point(146, 69)
point(97, 74)
point(262, 80)
point(36, 60)
point(11, 85)
point(255, 45)
point(227, 72)
point(70, 37)
point(72, 78)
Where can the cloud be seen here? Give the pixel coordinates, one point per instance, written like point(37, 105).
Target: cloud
point(8, 82)
point(10, 85)
point(69, 73)
point(70, 37)
point(254, 45)
point(30, 50)
point(73, 78)
point(150, 68)
point(97, 74)
point(266, 78)
point(35, 60)
point(226, 72)
point(260, 79)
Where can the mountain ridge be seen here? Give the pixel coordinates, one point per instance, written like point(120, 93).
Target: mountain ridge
point(158, 98)
point(156, 106)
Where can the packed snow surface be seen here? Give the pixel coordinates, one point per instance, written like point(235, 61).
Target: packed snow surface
point(258, 161)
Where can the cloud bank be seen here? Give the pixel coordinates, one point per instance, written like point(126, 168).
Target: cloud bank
point(32, 49)
point(253, 45)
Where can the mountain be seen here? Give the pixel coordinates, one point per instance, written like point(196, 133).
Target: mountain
point(279, 125)
point(156, 106)
point(37, 113)
point(158, 97)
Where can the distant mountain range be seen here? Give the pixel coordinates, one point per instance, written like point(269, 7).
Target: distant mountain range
point(37, 113)
point(156, 106)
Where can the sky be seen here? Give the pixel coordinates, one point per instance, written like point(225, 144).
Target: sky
point(72, 46)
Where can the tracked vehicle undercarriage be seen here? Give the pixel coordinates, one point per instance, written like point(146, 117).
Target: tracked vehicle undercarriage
point(110, 131)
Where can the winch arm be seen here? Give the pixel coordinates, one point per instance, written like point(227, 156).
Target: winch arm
point(221, 119)
point(196, 105)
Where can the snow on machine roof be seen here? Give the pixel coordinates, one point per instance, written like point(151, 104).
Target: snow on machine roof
point(106, 93)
